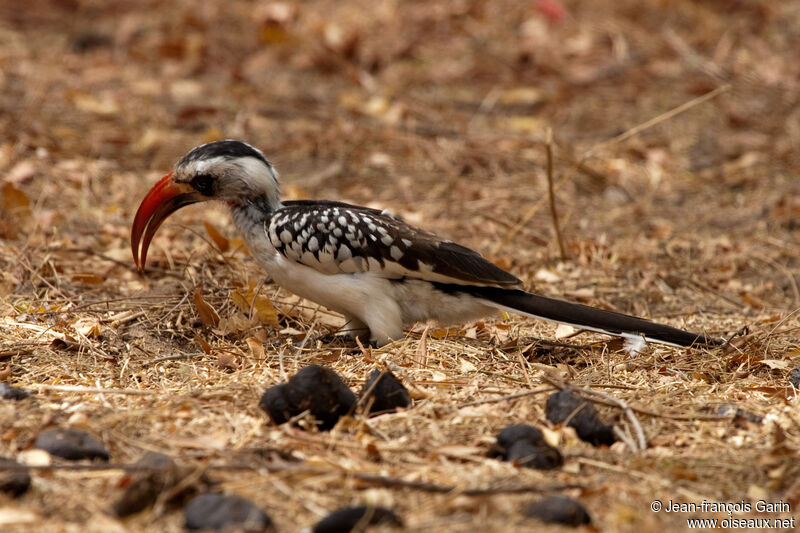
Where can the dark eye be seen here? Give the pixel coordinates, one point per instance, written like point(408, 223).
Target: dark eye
point(204, 184)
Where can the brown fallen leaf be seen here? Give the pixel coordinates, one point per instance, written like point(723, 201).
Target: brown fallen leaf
point(15, 201)
point(226, 361)
point(203, 343)
point(208, 316)
point(256, 348)
point(222, 242)
point(238, 244)
point(67, 343)
point(261, 307)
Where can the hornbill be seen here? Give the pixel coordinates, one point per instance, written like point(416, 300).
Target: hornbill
point(378, 271)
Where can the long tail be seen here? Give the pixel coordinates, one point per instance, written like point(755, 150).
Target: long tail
point(581, 316)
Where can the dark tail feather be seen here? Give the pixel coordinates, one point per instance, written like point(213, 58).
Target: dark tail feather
point(581, 316)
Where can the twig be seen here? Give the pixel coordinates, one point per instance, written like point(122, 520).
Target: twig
point(124, 317)
point(551, 193)
point(624, 136)
point(186, 482)
point(422, 348)
point(89, 251)
point(641, 410)
point(93, 390)
point(425, 486)
point(507, 398)
point(727, 299)
point(175, 357)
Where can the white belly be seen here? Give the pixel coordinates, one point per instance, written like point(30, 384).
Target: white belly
point(385, 306)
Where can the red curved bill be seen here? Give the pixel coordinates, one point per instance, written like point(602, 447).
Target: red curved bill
point(162, 200)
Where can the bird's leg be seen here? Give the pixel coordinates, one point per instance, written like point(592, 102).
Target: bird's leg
point(385, 322)
point(354, 327)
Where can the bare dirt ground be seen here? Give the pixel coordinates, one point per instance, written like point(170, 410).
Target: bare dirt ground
point(439, 112)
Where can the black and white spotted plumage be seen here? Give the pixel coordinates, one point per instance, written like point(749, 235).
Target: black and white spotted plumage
point(336, 238)
point(375, 269)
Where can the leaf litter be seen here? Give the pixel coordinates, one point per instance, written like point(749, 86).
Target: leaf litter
point(438, 112)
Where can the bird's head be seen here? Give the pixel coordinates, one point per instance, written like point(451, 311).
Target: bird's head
point(230, 171)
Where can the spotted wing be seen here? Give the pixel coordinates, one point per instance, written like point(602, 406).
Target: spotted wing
point(334, 237)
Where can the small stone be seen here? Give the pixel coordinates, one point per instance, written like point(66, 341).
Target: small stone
point(559, 510)
point(13, 482)
point(582, 416)
point(347, 518)
point(71, 444)
point(385, 396)
point(315, 388)
point(219, 511)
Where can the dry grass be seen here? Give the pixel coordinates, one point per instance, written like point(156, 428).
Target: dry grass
point(438, 112)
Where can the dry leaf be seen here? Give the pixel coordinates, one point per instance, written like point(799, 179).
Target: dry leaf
point(238, 244)
point(256, 348)
point(208, 316)
point(776, 364)
point(261, 307)
point(227, 361)
point(67, 343)
point(467, 367)
point(15, 201)
point(564, 331)
point(438, 376)
point(222, 242)
point(88, 327)
point(443, 333)
point(22, 171)
point(203, 343)
point(234, 324)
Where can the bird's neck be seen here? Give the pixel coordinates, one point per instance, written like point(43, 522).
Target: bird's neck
point(250, 216)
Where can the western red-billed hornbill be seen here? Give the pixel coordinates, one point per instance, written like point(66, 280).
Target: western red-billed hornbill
point(375, 269)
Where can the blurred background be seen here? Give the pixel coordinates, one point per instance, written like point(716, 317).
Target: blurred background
point(436, 109)
point(675, 129)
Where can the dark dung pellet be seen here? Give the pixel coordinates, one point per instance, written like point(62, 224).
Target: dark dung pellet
point(9, 392)
point(71, 444)
point(386, 395)
point(347, 518)
point(217, 511)
point(14, 480)
point(584, 418)
point(315, 388)
point(559, 510)
point(526, 446)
